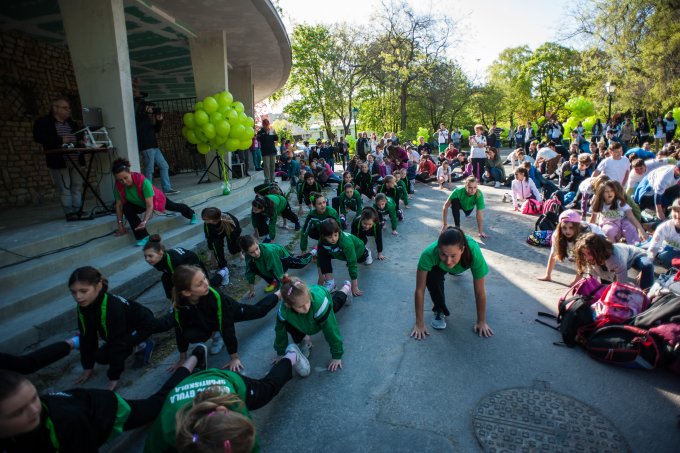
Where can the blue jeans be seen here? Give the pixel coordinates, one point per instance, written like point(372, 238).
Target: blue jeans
point(154, 156)
point(667, 255)
point(646, 268)
point(496, 174)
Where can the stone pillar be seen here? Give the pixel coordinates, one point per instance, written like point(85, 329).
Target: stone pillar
point(242, 88)
point(97, 40)
point(211, 73)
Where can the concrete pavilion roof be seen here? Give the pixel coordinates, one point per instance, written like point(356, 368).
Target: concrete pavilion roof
point(158, 33)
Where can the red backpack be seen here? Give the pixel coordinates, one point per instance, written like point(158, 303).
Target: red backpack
point(531, 207)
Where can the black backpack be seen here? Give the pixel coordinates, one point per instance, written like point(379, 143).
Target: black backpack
point(547, 222)
point(625, 346)
point(574, 319)
point(665, 309)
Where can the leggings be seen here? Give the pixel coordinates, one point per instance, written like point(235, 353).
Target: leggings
point(131, 212)
point(259, 392)
point(478, 166)
point(33, 361)
point(215, 241)
point(425, 179)
point(288, 262)
point(339, 299)
point(114, 354)
point(143, 412)
point(455, 210)
point(435, 286)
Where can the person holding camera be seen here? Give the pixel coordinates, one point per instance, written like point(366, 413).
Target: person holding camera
point(149, 120)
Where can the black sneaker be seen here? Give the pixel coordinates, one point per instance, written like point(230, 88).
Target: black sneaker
point(171, 192)
point(143, 357)
point(297, 226)
point(201, 353)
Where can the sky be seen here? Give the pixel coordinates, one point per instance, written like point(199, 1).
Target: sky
point(484, 27)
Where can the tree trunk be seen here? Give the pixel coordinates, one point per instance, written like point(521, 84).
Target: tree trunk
point(403, 94)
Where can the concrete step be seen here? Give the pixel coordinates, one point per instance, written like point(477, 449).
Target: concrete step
point(33, 309)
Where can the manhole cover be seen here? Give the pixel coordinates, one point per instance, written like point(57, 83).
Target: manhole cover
point(530, 420)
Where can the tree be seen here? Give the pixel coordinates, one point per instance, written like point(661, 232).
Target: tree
point(506, 74)
point(405, 48)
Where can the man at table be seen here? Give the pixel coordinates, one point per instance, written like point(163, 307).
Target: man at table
point(54, 131)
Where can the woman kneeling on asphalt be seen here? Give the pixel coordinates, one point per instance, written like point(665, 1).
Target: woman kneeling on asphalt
point(453, 253)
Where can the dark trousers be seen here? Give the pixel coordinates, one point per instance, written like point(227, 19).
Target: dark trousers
point(425, 179)
point(143, 412)
point(324, 259)
point(455, 210)
point(259, 392)
point(216, 240)
point(435, 286)
point(478, 166)
point(132, 211)
point(114, 354)
point(339, 299)
point(289, 262)
point(32, 362)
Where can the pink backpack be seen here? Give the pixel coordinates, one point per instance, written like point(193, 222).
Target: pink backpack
point(619, 303)
point(531, 207)
point(552, 205)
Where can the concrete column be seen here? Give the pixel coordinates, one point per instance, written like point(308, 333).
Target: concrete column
point(242, 88)
point(97, 40)
point(211, 72)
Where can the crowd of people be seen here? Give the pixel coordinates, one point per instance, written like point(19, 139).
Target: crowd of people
point(616, 218)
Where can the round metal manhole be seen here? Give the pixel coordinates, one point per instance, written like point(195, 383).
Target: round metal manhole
point(531, 420)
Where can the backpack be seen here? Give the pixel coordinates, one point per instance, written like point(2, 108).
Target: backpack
point(665, 309)
point(626, 346)
point(531, 207)
point(540, 238)
point(552, 204)
point(668, 339)
point(588, 287)
point(619, 303)
point(546, 222)
point(574, 320)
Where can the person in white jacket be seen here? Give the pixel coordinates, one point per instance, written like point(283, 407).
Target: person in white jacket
point(665, 243)
point(523, 188)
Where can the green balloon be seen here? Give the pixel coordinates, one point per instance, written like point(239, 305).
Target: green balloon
point(198, 106)
point(245, 144)
point(242, 118)
point(210, 104)
point(249, 122)
point(203, 148)
point(231, 115)
point(248, 134)
point(188, 120)
point(201, 118)
point(237, 132)
point(220, 139)
point(191, 137)
point(209, 130)
point(225, 99)
point(200, 135)
point(216, 117)
point(238, 106)
point(232, 144)
point(234, 121)
point(223, 128)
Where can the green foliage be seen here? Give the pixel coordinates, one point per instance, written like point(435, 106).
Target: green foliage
point(425, 133)
point(352, 142)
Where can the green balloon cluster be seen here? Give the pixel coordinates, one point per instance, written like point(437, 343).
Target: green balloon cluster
point(676, 113)
point(580, 108)
point(218, 123)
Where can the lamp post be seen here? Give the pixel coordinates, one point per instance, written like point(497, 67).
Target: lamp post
point(354, 113)
point(610, 87)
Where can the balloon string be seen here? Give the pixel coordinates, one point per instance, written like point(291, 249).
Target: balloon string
point(224, 168)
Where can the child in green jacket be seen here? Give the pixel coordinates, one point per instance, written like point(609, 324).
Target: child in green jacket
point(386, 208)
point(269, 261)
point(319, 213)
point(266, 210)
point(307, 310)
point(350, 200)
point(337, 244)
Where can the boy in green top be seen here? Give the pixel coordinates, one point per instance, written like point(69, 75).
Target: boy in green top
point(307, 310)
point(319, 213)
point(269, 261)
point(350, 199)
point(386, 207)
point(230, 393)
point(337, 244)
point(465, 198)
point(453, 253)
point(266, 210)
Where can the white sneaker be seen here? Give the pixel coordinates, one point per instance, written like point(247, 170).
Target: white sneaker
point(498, 185)
point(369, 258)
point(348, 284)
point(301, 366)
point(305, 346)
point(216, 345)
point(329, 285)
point(224, 273)
point(439, 321)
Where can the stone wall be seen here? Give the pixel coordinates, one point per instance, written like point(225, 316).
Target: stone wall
point(32, 74)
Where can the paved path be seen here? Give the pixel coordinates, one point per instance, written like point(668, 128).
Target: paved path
point(398, 394)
